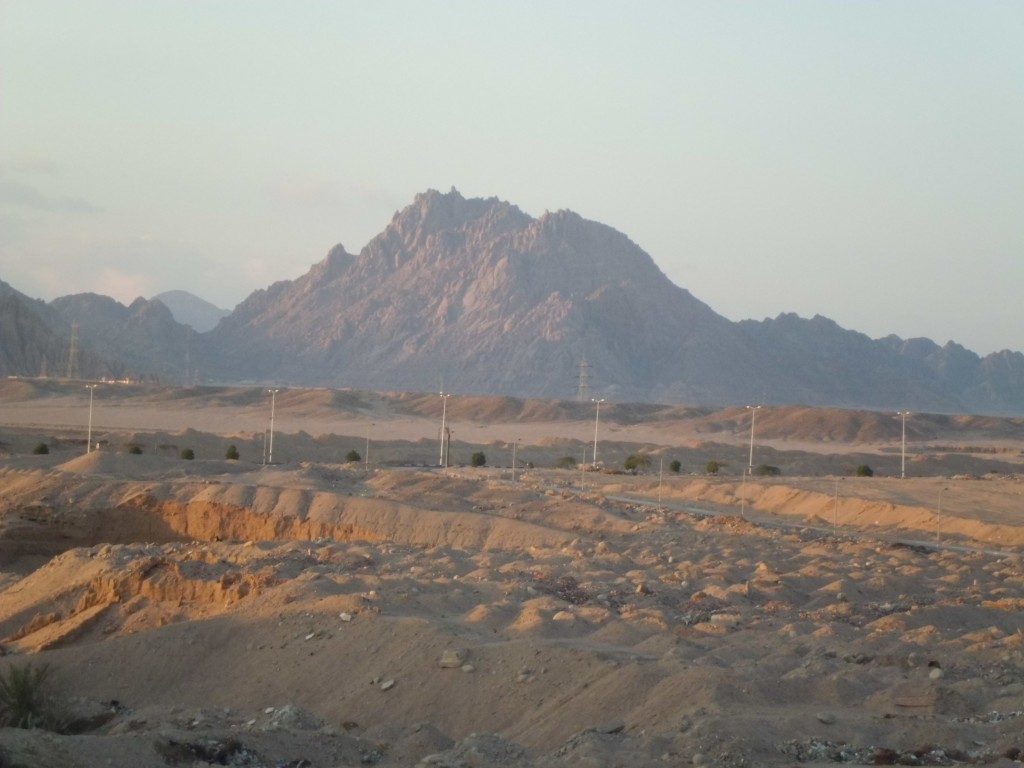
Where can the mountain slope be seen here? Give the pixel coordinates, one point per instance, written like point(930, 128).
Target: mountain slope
point(31, 342)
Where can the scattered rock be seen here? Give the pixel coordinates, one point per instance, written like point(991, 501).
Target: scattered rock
point(453, 659)
point(614, 726)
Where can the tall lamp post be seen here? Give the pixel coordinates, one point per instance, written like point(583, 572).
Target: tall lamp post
point(753, 417)
point(444, 413)
point(903, 449)
point(88, 438)
point(366, 456)
point(273, 401)
point(516, 443)
point(597, 419)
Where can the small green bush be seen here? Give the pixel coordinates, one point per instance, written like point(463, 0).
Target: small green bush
point(636, 461)
point(353, 456)
point(712, 467)
point(26, 699)
point(566, 462)
point(766, 470)
point(675, 466)
point(188, 454)
point(135, 450)
point(864, 471)
point(41, 449)
point(478, 459)
point(231, 454)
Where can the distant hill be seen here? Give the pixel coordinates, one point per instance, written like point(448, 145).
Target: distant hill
point(141, 340)
point(189, 309)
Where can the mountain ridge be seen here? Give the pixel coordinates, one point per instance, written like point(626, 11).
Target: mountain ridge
point(476, 296)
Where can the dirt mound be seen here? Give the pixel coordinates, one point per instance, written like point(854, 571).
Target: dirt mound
point(644, 634)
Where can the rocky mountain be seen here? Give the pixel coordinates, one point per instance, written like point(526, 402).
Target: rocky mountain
point(189, 309)
point(141, 340)
point(89, 336)
point(474, 296)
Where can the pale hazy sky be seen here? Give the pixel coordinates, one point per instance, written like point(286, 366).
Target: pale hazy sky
point(861, 160)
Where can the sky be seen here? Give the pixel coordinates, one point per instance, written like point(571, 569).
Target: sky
point(861, 160)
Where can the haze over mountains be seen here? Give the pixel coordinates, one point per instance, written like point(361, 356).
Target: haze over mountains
point(475, 296)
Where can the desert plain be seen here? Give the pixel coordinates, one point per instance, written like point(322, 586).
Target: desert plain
point(293, 607)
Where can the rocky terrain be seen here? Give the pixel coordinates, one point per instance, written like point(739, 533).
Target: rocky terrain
point(314, 612)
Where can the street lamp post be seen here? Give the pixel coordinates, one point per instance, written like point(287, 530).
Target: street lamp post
point(88, 438)
point(835, 512)
point(444, 413)
point(273, 402)
point(516, 443)
point(938, 516)
point(366, 456)
point(597, 418)
point(753, 417)
point(661, 476)
point(743, 495)
point(903, 449)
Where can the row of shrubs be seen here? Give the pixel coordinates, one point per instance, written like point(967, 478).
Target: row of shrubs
point(640, 462)
point(633, 463)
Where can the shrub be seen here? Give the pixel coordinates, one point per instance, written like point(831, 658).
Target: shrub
point(766, 470)
point(231, 454)
point(712, 467)
point(41, 449)
point(26, 700)
point(135, 450)
point(864, 471)
point(636, 461)
point(478, 459)
point(675, 466)
point(188, 454)
point(566, 462)
point(353, 456)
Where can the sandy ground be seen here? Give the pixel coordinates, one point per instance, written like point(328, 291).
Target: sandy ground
point(313, 612)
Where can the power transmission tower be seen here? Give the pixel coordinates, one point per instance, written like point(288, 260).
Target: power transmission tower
point(73, 353)
point(583, 392)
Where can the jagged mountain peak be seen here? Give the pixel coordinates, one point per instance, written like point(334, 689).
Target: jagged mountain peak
point(470, 285)
point(433, 212)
